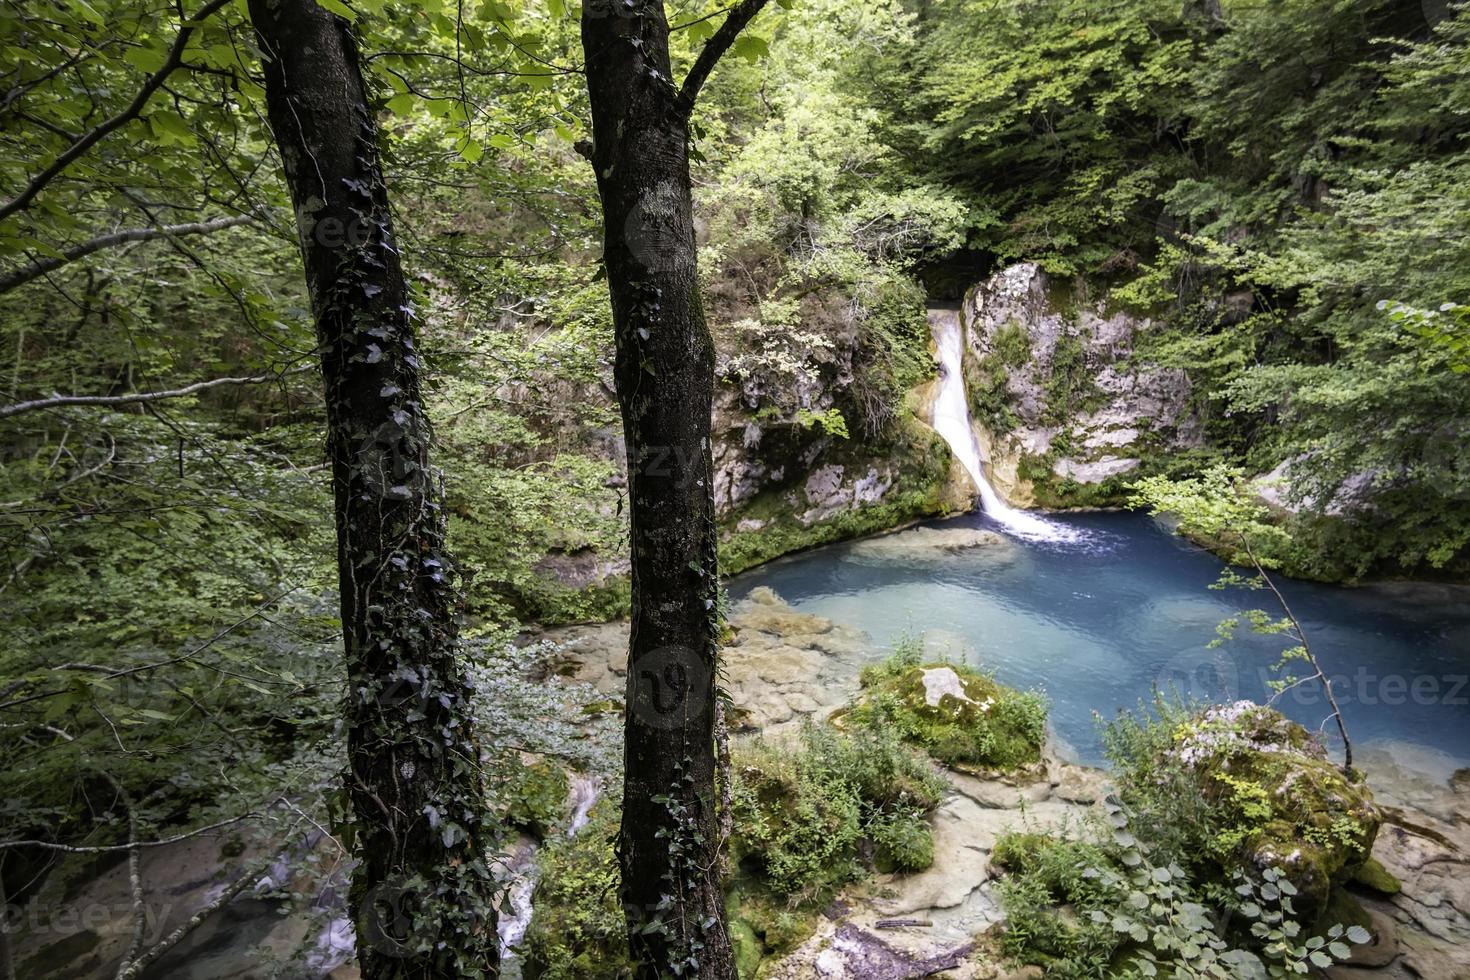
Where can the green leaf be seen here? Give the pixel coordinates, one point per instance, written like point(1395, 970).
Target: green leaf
point(171, 129)
point(146, 59)
point(87, 11)
point(751, 47)
point(701, 31)
point(340, 9)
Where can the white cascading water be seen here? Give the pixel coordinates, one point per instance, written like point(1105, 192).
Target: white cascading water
point(951, 419)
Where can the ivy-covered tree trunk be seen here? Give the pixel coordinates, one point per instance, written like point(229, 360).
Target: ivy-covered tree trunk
point(669, 843)
point(422, 889)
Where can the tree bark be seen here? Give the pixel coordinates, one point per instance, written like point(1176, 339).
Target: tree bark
point(669, 842)
point(422, 889)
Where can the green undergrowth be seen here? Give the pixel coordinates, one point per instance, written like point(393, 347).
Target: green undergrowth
point(577, 932)
point(992, 728)
point(808, 818)
point(1221, 854)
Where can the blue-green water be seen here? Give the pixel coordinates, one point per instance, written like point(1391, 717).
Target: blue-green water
point(1096, 625)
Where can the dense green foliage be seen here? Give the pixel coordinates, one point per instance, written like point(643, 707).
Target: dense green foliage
point(806, 818)
point(1201, 826)
point(1283, 187)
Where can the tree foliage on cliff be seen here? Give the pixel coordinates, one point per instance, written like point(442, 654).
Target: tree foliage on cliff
point(1273, 181)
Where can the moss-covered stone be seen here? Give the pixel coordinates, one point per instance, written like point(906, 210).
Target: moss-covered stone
point(763, 925)
point(748, 949)
point(1276, 799)
point(771, 524)
point(960, 716)
point(1375, 877)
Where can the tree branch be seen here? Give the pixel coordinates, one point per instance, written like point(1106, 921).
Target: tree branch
point(134, 967)
point(714, 49)
point(25, 274)
point(115, 848)
point(130, 112)
point(61, 401)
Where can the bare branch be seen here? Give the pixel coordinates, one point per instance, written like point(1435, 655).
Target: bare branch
point(25, 274)
point(130, 112)
point(137, 397)
point(115, 848)
point(714, 49)
point(134, 968)
point(1301, 636)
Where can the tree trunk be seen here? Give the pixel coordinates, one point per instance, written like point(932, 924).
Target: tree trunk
point(422, 889)
point(668, 843)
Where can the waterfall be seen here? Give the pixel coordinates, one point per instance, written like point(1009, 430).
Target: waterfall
point(951, 419)
point(515, 913)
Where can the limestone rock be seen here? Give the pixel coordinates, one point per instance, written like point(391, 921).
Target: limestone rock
point(1128, 409)
point(931, 544)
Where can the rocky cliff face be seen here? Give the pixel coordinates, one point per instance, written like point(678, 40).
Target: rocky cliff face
point(783, 485)
point(1067, 410)
point(1066, 413)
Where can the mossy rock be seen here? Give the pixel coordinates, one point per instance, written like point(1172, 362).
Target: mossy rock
point(960, 716)
point(748, 949)
point(1278, 800)
point(763, 925)
point(1375, 877)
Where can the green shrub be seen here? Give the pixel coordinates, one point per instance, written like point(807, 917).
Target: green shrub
point(804, 817)
point(577, 932)
point(990, 728)
point(532, 796)
point(901, 843)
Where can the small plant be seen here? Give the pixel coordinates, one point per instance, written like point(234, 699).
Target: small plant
point(976, 723)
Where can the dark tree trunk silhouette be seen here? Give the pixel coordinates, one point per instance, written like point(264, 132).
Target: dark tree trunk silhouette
point(422, 889)
point(669, 842)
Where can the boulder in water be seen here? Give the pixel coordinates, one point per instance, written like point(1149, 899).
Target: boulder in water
point(931, 544)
